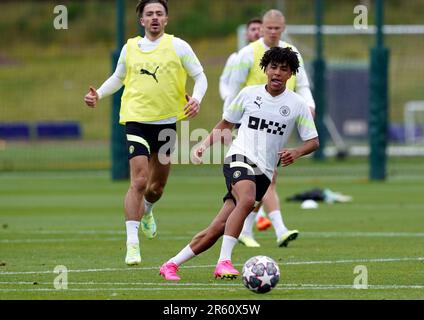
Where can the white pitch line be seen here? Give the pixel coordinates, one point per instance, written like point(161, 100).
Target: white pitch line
point(82, 239)
point(182, 237)
point(236, 287)
point(120, 283)
point(113, 289)
point(355, 260)
point(374, 260)
point(362, 234)
point(179, 284)
point(57, 240)
point(93, 232)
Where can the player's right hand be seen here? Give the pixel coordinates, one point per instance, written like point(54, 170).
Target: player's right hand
point(197, 154)
point(192, 108)
point(91, 98)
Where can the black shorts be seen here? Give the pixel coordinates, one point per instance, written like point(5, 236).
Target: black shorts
point(238, 168)
point(145, 139)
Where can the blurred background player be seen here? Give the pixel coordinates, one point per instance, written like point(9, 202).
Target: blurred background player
point(253, 156)
point(247, 72)
point(253, 29)
point(153, 70)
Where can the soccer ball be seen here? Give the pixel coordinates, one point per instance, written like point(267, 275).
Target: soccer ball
point(260, 274)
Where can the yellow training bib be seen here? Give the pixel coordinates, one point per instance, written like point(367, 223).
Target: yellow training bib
point(154, 83)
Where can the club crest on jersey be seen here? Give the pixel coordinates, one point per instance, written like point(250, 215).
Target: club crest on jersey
point(236, 174)
point(131, 149)
point(285, 111)
point(270, 126)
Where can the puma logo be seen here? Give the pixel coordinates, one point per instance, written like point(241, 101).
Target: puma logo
point(144, 71)
point(258, 99)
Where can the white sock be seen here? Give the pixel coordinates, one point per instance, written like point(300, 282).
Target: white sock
point(261, 213)
point(248, 225)
point(228, 243)
point(277, 223)
point(132, 231)
point(183, 256)
point(147, 207)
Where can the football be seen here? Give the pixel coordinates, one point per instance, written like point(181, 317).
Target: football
point(260, 274)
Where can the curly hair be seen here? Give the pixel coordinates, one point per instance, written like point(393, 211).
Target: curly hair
point(142, 3)
point(280, 55)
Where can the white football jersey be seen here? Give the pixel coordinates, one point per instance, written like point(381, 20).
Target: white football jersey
point(266, 124)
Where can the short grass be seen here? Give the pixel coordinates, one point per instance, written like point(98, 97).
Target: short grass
point(75, 219)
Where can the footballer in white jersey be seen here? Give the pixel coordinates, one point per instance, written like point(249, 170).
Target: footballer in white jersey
point(266, 124)
point(266, 113)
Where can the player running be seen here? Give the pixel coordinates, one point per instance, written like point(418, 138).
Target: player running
point(247, 72)
point(154, 71)
point(268, 114)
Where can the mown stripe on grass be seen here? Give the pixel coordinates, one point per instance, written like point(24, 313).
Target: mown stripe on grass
point(322, 234)
point(369, 260)
point(208, 287)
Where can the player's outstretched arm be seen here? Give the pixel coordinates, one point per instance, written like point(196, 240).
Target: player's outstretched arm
point(222, 132)
point(91, 98)
point(288, 156)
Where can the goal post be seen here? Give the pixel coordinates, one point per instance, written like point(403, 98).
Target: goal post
point(119, 160)
point(378, 102)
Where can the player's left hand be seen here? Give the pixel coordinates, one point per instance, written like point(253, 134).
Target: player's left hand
point(192, 108)
point(288, 156)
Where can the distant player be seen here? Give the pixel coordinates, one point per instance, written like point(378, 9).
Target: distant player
point(247, 72)
point(153, 70)
point(253, 156)
point(253, 28)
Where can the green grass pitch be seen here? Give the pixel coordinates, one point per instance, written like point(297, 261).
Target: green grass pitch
point(75, 219)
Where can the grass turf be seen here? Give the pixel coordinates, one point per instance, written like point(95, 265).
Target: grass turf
point(75, 219)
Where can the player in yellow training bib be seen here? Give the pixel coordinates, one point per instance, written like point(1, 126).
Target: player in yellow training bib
point(153, 70)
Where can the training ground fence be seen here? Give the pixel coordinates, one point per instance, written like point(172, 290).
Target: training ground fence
point(44, 124)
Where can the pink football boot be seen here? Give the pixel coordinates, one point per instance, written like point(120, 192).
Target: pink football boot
point(225, 270)
point(169, 271)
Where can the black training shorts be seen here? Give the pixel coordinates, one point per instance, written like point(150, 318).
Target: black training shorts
point(145, 139)
point(237, 168)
